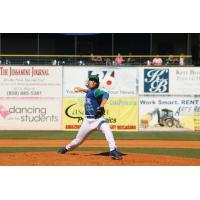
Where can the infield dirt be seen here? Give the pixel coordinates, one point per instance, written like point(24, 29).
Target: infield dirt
point(92, 158)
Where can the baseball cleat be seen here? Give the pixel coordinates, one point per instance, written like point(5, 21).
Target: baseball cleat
point(115, 154)
point(62, 150)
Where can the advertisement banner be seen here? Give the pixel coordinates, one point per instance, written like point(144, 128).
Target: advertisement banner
point(169, 81)
point(169, 113)
point(197, 114)
point(31, 81)
point(26, 114)
point(121, 113)
point(118, 81)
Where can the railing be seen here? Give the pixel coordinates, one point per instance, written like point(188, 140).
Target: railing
point(95, 60)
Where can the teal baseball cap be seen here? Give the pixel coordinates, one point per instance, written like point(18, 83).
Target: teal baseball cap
point(94, 78)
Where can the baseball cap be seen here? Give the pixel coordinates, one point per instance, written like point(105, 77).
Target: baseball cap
point(94, 78)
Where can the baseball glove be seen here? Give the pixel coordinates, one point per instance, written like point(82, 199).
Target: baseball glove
point(99, 112)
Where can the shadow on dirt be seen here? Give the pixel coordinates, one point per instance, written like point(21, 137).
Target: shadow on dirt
point(106, 154)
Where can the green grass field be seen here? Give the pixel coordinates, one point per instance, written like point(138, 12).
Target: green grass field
point(97, 135)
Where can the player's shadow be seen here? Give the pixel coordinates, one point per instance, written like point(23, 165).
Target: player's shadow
point(106, 154)
point(74, 154)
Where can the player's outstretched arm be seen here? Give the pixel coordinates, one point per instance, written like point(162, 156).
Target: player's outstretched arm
point(78, 89)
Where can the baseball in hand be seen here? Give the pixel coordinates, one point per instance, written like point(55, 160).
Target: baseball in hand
point(76, 89)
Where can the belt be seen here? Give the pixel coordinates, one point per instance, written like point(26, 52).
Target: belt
point(90, 117)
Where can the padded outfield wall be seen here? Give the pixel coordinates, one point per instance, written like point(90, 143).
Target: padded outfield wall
point(141, 98)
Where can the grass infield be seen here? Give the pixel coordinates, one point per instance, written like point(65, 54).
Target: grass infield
point(192, 136)
point(189, 153)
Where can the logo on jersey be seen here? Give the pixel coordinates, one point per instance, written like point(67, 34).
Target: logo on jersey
point(156, 80)
point(107, 78)
point(88, 101)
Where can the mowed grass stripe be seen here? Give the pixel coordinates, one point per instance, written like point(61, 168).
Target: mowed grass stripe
point(189, 153)
point(192, 136)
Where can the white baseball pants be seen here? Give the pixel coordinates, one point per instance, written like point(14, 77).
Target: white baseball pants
point(87, 127)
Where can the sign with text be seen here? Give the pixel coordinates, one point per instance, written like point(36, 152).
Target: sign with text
point(169, 81)
point(30, 114)
point(118, 81)
point(30, 81)
point(121, 113)
point(169, 113)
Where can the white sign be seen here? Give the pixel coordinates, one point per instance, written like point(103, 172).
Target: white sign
point(26, 114)
point(169, 81)
point(185, 80)
point(30, 81)
point(118, 81)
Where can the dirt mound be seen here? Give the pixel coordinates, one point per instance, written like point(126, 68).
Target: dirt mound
point(91, 159)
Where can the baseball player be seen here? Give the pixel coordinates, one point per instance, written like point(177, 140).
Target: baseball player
point(95, 101)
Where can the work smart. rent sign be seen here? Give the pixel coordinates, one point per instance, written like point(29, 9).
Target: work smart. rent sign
point(164, 113)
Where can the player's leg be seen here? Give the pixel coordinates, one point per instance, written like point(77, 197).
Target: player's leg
point(82, 134)
point(105, 128)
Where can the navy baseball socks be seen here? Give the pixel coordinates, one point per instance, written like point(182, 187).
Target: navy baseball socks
point(115, 154)
point(62, 150)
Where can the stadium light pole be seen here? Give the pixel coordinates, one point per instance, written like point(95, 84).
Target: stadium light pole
point(113, 45)
point(38, 48)
point(75, 44)
point(0, 43)
point(151, 43)
point(188, 44)
point(0, 48)
point(38, 44)
point(75, 47)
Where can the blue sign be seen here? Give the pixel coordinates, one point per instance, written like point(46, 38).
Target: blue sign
point(156, 80)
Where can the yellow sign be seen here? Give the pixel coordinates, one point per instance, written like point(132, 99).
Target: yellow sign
point(121, 113)
point(197, 123)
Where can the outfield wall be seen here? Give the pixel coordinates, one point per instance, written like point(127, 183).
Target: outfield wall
point(141, 98)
